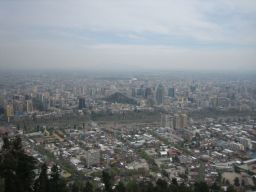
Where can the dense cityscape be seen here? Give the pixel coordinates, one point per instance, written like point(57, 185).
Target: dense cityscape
point(128, 96)
point(177, 127)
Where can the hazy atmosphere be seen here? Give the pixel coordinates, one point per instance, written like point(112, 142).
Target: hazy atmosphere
point(127, 95)
point(128, 34)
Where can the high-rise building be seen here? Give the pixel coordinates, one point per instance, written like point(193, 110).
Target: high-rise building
point(29, 106)
point(81, 104)
point(169, 121)
point(171, 92)
point(160, 94)
point(133, 92)
point(214, 101)
point(34, 89)
point(183, 120)
point(180, 121)
point(140, 92)
point(176, 121)
point(148, 92)
point(46, 103)
point(1, 100)
point(9, 112)
point(18, 107)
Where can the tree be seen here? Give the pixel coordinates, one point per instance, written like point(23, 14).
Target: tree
point(227, 182)
point(74, 188)
point(17, 168)
point(174, 181)
point(132, 186)
point(184, 188)
point(107, 181)
point(201, 187)
point(42, 182)
point(1, 185)
point(88, 187)
point(146, 187)
point(6, 143)
point(215, 187)
point(230, 189)
point(173, 188)
point(161, 185)
point(120, 187)
point(243, 183)
point(254, 180)
point(25, 170)
point(236, 182)
point(57, 184)
point(7, 163)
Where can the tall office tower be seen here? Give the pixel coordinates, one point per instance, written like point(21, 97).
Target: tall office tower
point(163, 120)
point(180, 121)
point(46, 103)
point(9, 112)
point(141, 91)
point(171, 92)
point(193, 88)
point(18, 107)
point(169, 121)
point(214, 101)
point(34, 89)
point(160, 94)
point(148, 93)
point(176, 122)
point(133, 92)
point(183, 120)
point(1, 100)
point(29, 106)
point(81, 104)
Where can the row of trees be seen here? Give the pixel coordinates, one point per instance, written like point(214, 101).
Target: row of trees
point(159, 186)
point(51, 183)
point(18, 174)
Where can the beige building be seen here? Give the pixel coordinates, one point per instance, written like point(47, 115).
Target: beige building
point(9, 112)
point(29, 106)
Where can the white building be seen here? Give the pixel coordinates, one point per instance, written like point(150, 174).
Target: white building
point(236, 146)
point(93, 157)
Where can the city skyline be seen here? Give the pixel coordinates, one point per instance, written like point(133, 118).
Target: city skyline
point(127, 35)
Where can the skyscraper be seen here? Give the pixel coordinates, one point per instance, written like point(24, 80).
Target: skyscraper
point(160, 94)
point(9, 112)
point(184, 120)
point(133, 92)
point(171, 92)
point(29, 106)
point(81, 104)
point(169, 121)
point(176, 121)
point(180, 121)
point(148, 92)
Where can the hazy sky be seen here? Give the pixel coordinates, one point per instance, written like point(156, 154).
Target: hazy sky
point(124, 34)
